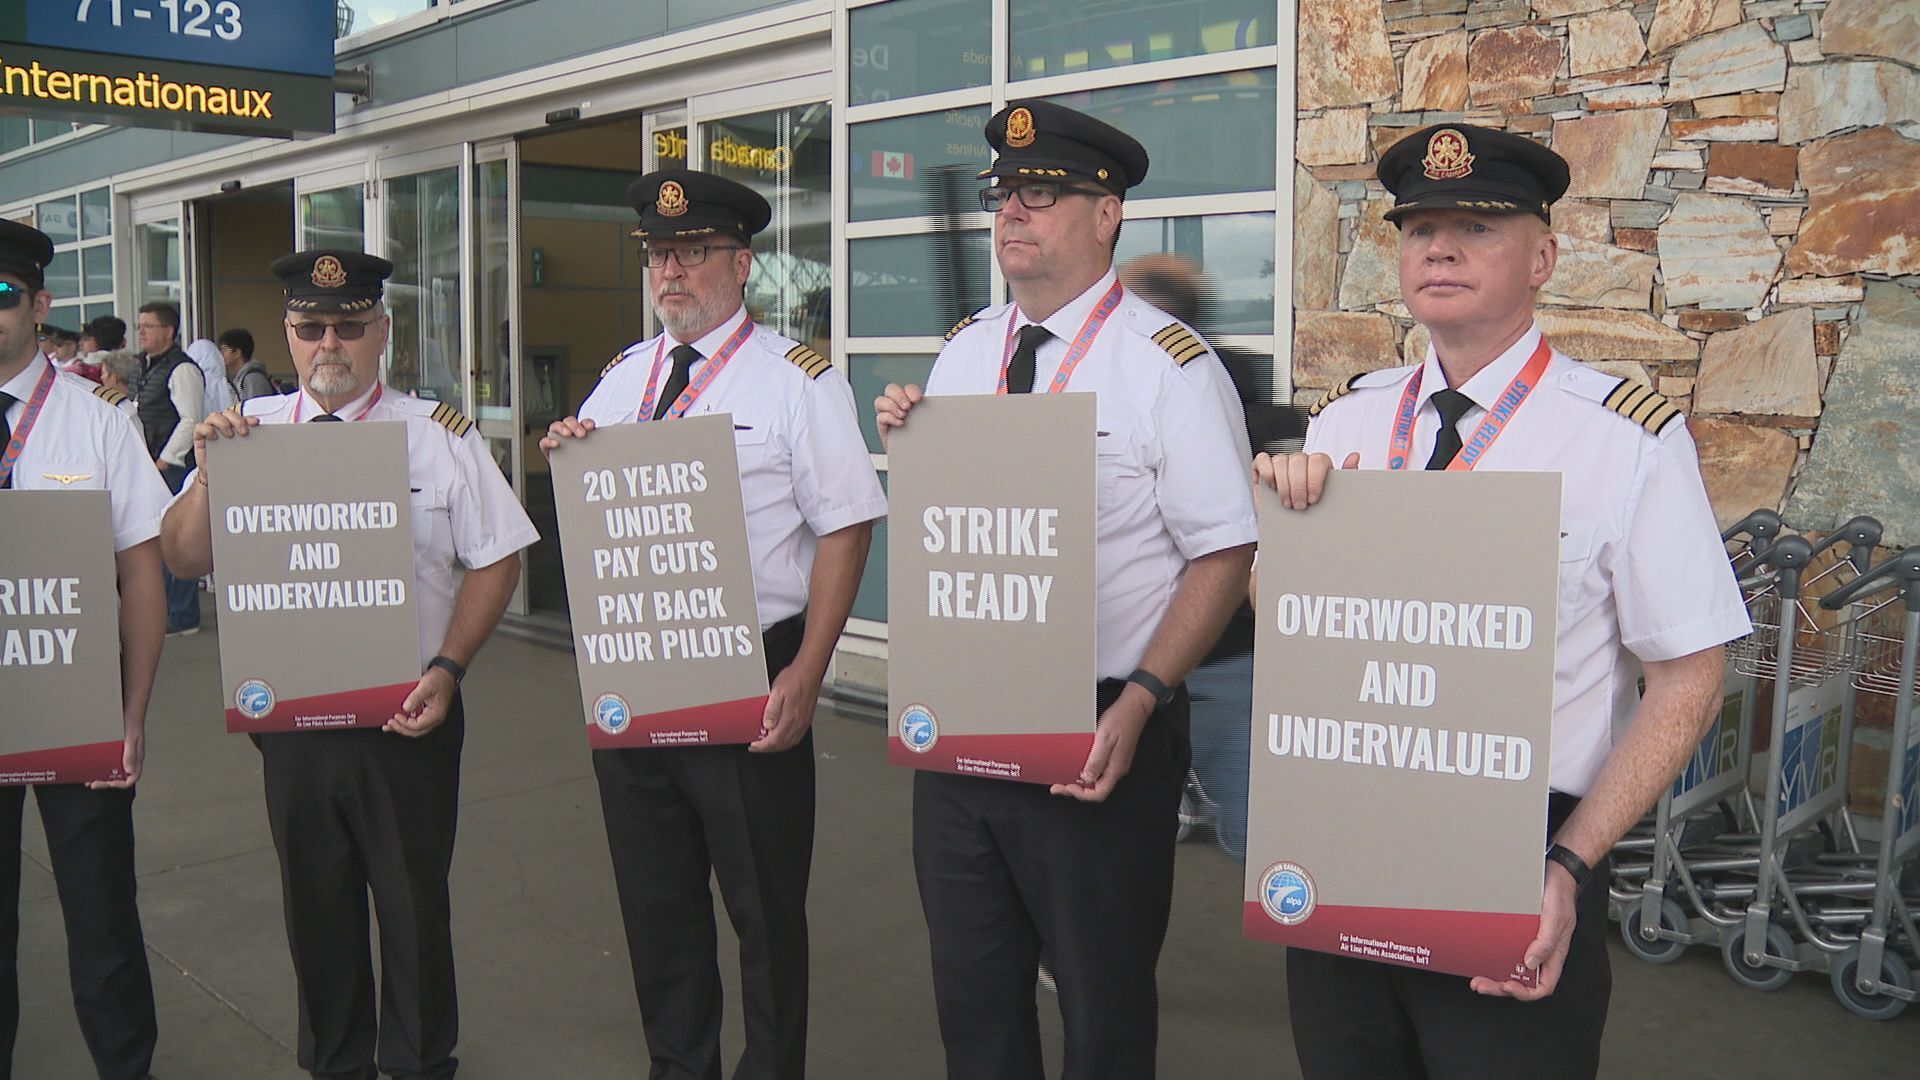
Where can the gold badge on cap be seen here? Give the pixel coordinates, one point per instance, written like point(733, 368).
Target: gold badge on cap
point(1020, 128)
point(328, 273)
point(672, 201)
point(1447, 156)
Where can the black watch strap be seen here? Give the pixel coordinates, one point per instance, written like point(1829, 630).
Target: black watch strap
point(1574, 864)
point(1148, 681)
point(450, 667)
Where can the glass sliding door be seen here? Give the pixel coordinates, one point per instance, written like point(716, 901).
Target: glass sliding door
point(421, 229)
point(786, 155)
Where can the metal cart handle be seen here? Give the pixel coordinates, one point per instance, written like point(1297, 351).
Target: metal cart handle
point(1861, 535)
point(1759, 526)
point(1903, 570)
point(1787, 556)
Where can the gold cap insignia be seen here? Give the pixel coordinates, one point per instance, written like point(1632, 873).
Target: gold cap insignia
point(672, 201)
point(328, 273)
point(1100, 174)
point(1447, 156)
point(1020, 128)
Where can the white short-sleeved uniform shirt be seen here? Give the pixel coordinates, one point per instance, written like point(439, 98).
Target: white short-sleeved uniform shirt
point(1643, 575)
point(1171, 450)
point(804, 466)
point(82, 442)
point(463, 508)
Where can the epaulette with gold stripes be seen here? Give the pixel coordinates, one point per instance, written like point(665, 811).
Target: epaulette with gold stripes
point(811, 363)
point(452, 419)
point(1181, 343)
point(1337, 392)
point(959, 326)
point(613, 363)
point(1642, 405)
point(109, 395)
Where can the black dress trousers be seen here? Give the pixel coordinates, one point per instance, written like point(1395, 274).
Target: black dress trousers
point(1362, 1020)
point(90, 840)
point(678, 816)
point(360, 810)
point(1007, 870)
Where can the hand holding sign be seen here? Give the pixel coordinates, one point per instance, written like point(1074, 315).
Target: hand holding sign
point(1299, 478)
point(218, 425)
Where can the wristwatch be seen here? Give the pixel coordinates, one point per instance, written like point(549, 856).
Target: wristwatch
point(1146, 680)
point(1574, 865)
point(450, 667)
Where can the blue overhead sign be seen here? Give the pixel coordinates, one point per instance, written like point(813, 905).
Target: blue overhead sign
point(293, 37)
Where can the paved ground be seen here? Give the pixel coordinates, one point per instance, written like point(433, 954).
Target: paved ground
point(543, 969)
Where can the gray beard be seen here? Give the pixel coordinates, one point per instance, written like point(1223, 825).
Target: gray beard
point(329, 380)
point(688, 323)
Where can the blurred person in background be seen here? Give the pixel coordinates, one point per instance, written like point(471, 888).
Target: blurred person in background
point(120, 372)
point(1221, 685)
point(220, 393)
point(246, 376)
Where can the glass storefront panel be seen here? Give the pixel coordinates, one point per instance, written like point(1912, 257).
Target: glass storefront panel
point(64, 316)
point(59, 219)
point(915, 165)
point(493, 368)
point(1059, 37)
point(1181, 124)
point(871, 372)
point(353, 16)
point(157, 254)
point(905, 286)
point(94, 311)
point(1232, 252)
point(14, 133)
point(334, 219)
point(423, 296)
point(96, 214)
point(785, 155)
point(96, 264)
point(910, 47)
point(63, 275)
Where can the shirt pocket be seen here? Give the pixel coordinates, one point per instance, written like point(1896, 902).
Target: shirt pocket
point(753, 442)
point(1117, 463)
point(67, 475)
point(1578, 539)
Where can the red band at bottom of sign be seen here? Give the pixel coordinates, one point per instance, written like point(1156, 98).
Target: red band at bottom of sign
point(369, 708)
point(723, 722)
point(1032, 759)
point(1456, 942)
point(65, 764)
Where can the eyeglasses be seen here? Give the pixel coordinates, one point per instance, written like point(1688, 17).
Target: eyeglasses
point(11, 295)
point(690, 255)
point(1034, 196)
point(345, 329)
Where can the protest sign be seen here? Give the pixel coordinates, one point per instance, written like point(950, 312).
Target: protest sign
point(1402, 709)
point(660, 581)
point(990, 591)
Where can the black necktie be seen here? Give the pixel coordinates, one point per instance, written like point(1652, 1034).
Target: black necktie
point(1452, 405)
point(6, 429)
point(684, 357)
point(326, 417)
point(1020, 368)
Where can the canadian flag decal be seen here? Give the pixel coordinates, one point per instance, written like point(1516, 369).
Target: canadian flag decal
point(893, 164)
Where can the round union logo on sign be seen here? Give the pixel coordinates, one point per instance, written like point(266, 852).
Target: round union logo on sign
point(254, 698)
point(1287, 893)
point(610, 713)
point(918, 728)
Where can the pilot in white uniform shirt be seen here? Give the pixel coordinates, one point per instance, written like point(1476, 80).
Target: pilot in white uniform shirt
point(463, 508)
point(804, 469)
point(1643, 576)
point(1171, 450)
point(82, 442)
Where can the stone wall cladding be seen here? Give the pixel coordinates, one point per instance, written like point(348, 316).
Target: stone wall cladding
point(1745, 198)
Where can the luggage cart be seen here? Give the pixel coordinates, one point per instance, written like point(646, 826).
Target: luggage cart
point(1695, 811)
point(1874, 976)
point(1718, 871)
point(1811, 663)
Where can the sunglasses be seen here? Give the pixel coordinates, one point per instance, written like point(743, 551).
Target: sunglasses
point(11, 296)
point(1034, 196)
point(345, 329)
point(689, 255)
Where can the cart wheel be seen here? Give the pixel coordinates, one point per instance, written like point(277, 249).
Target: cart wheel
point(1779, 943)
point(1846, 969)
point(1659, 950)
